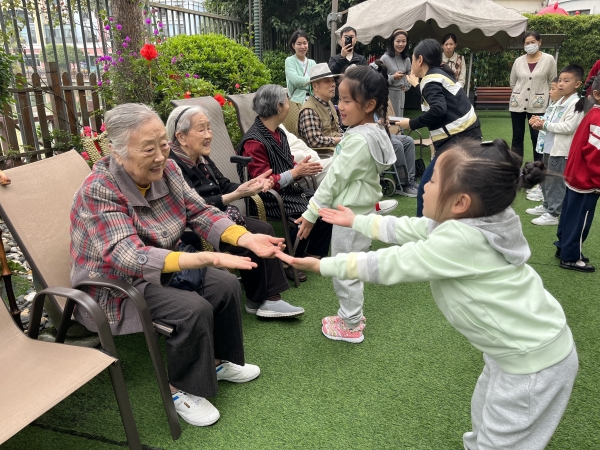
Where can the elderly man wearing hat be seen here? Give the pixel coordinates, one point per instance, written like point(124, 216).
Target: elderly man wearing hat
point(318, 122)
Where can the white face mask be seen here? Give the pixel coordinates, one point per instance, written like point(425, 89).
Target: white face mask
point(531, 48)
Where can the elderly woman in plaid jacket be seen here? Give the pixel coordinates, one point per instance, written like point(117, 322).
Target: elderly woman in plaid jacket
point(126, 222)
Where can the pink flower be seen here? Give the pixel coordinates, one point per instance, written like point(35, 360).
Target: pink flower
point(119, 26)
point(237, 86)
point(85, 156)
point(121, 59)
point(111, 19)
point(125, 44)
point(196, 76)
point(156, 31)
point(87, 131)
point(174, 60)
point(127, 39)
point(187, 75)
point(148, 21)
point(99, 83)
point(160, 24)
point(107, 27)
point(103, 128)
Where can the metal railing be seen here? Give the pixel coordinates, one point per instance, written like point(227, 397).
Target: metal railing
point(71, 33)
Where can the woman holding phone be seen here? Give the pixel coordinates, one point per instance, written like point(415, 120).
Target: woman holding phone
point(398, 65)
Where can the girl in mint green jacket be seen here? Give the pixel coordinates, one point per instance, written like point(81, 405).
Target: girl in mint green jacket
point(353, 181)
point(471, 249)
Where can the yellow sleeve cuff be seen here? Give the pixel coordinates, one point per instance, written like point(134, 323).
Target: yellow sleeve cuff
point(171, 263)
point(232, 234)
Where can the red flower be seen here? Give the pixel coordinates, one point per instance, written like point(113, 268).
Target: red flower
point(237, 86)
point(85, 156)
point(149, 52)
point(187, 94)
point(220, 99)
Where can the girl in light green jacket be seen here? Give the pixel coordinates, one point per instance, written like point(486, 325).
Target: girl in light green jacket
point(471, 248)
point(297, 68)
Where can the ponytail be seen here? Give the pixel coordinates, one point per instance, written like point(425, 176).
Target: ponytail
point(370, 83)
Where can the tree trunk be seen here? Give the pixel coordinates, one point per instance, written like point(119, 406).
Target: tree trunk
point(129, 13)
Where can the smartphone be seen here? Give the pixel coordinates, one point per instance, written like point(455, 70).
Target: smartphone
point(347, 40)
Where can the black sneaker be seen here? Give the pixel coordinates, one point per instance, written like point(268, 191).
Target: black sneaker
point(584, 258)
point(583, 267)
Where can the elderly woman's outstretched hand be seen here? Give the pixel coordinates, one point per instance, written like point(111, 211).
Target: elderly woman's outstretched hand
point(310, 264)
point(262, 183)
point(213, 259)
point(262, 245)
point(344, 217)
point(4, 180)
point(306, 168)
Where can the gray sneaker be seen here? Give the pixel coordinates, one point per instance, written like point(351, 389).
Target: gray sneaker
point(277, 308)
point(408, 190)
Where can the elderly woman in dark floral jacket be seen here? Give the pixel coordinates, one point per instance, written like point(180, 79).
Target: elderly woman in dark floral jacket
point(126, 221)
point(189, 132)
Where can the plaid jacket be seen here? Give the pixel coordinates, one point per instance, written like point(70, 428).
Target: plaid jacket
point(118, 233)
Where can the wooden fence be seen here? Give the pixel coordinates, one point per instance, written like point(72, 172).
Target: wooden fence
point(55, 103)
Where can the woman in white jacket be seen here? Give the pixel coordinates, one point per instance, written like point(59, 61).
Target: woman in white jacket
point(560, 126)
point(530, 80)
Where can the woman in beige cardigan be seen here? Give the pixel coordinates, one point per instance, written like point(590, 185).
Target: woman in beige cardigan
point(530, 80)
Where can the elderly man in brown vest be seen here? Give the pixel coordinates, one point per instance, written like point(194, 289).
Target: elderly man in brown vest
point(318, 123)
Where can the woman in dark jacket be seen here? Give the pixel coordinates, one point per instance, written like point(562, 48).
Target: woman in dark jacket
point(188, 129)
point(448, 113)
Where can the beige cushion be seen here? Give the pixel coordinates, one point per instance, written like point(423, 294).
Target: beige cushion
point(243, 106)
point(38, 205)
point(36, 375)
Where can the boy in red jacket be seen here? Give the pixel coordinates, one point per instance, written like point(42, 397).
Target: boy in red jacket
point(582, 177)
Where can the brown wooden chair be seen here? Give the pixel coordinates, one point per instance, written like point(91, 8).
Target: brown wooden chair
point(222, 152)
point(35, 375)
point(36, 209)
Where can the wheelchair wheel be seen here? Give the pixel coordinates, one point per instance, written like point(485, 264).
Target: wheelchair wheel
point(388, 188)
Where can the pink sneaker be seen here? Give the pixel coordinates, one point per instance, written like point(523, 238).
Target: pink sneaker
point(337, 319)
point(338, 331)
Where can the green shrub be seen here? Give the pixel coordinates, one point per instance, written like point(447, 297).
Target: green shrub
point(275, 62)
point(215, 58)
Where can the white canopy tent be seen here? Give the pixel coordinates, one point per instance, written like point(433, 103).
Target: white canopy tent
point(477, 24)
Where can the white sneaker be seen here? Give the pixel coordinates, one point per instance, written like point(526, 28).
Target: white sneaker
point(195, 410)
point(535, 197)
point(539, 210)
point(546, 219)
point(228, 371)
point(385, 206)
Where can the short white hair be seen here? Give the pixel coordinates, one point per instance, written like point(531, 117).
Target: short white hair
point(123, 120)
point(180, 120)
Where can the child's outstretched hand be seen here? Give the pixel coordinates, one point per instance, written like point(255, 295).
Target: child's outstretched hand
point(310, 264)
point(344, 217)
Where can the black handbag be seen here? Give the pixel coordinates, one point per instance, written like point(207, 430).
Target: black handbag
point(189, 279)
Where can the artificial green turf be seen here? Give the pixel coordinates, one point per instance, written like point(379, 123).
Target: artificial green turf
point(407, 386)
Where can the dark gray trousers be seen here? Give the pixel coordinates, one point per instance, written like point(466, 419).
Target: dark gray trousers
point(206, 327)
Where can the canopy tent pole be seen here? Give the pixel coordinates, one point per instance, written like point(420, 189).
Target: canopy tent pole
point(469, 77)
point(334, 18)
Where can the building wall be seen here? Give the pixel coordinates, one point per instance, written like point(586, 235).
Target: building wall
point(530, 6)
point(593, 6)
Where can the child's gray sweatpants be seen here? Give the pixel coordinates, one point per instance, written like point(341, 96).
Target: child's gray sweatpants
point(349, 292)
point(519, 412)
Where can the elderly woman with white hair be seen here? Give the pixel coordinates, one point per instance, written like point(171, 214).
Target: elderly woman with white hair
point(268, 146)
point(126, 221)
point(190, 136)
